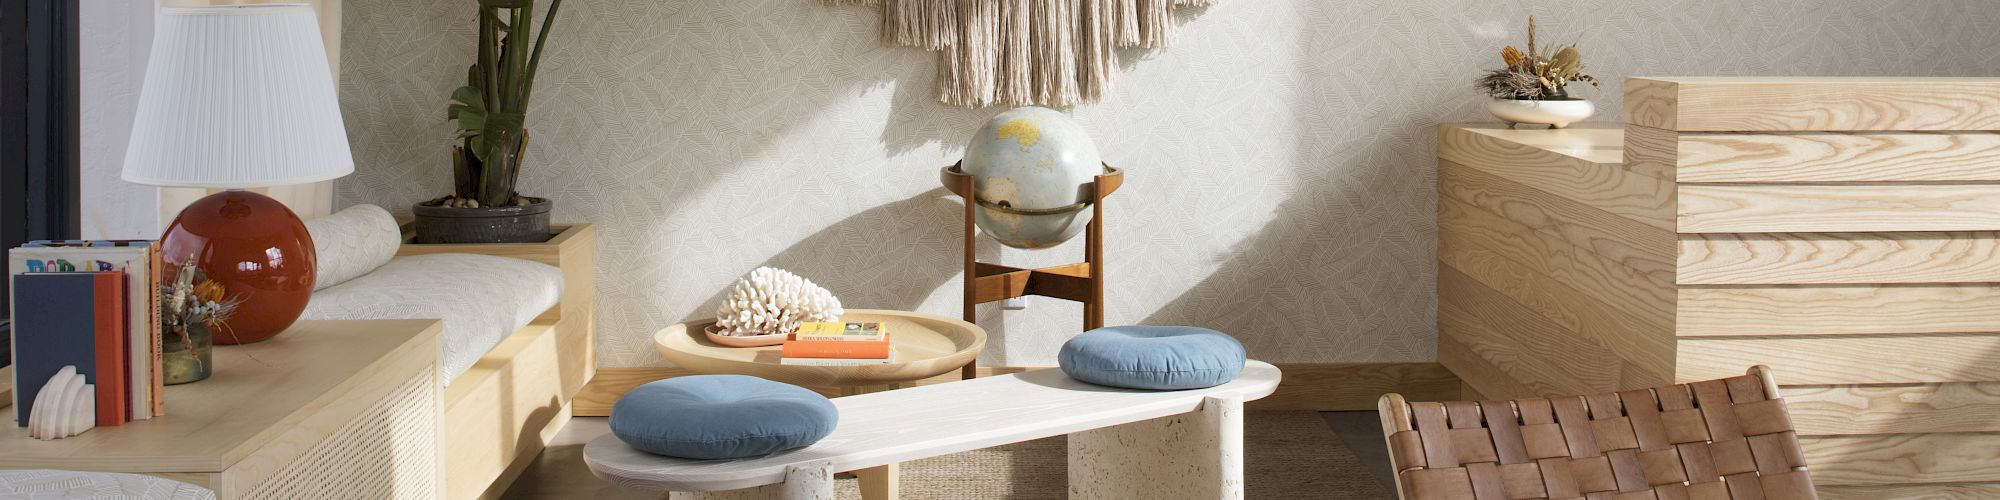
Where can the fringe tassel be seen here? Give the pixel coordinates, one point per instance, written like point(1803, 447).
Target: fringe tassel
point(924, 24)
point(1156, 23)
point(1127, 22)
point(1095, 29)
point(974, 61)
point(1016, 73)
point(1055, 51)
point(1022, 52)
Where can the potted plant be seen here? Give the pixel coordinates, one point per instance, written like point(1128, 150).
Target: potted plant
point(491, 111)
point(1534, 87)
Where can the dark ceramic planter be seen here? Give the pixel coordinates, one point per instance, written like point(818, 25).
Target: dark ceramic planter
point(523, 224)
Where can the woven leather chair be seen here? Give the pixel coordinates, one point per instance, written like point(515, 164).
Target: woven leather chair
point(1729, 438)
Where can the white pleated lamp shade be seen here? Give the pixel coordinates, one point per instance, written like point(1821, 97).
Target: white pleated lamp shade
point(237, 97)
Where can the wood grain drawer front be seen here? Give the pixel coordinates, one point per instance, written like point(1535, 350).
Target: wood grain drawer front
point(1588, 348)
point(1851, 359)
point(1824, 258)
point(1903, 458)
point(389, 451)
point(1643, 199)
point(1477, 348)
point(1838, 310)
point(1813, 208)
point(1812, 103)
point(1891, 409)
point(1583, 225)
point(1837, 157)
point(1463, 229)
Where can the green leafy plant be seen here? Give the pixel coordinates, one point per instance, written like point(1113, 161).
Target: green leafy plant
point(1535, 75)
point(491, 109)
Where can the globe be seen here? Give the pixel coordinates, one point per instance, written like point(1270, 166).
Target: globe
point(1031, 169)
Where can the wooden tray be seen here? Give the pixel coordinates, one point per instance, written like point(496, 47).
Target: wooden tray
point(925, 346)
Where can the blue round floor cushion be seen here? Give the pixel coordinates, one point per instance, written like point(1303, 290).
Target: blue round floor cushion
point(1153, 357)
point(721, 416)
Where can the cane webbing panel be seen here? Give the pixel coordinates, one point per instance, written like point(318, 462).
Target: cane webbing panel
point(1720, 439)
point(389, 451)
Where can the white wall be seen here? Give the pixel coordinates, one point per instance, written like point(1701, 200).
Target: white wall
point(1280, 153)
point(113, 42)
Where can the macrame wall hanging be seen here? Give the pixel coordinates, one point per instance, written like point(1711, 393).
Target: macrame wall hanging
point(1021, 52)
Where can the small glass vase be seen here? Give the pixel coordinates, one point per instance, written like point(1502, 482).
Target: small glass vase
point(187, 356)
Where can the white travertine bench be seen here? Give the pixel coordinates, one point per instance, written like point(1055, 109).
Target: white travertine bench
point(1123, 443)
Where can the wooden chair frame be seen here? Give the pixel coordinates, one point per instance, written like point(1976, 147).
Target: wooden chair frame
point(1727, 438)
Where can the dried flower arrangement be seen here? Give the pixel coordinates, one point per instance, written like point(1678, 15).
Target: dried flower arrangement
point(1535, 75)
point(192, 308)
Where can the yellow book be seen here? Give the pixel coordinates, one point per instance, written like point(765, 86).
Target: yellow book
point(870, 331)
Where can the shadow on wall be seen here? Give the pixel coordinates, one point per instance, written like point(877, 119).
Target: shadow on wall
point(888, 257)
point(894, 256)
point(1254, 289)
point(613, 97)
point(1326, 235)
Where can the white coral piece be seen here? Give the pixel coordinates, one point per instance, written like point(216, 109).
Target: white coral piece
point(771, 300)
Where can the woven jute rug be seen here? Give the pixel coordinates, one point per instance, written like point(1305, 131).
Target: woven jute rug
point(1287, 455)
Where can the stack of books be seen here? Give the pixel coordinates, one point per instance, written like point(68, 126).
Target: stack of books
point(93, 305)
point(838, 344)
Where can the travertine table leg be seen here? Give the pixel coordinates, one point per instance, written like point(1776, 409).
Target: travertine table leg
point(801, 483)
point(1192, 455)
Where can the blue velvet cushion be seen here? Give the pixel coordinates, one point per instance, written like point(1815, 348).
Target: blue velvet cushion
point(721, 416)
point(1153, 357)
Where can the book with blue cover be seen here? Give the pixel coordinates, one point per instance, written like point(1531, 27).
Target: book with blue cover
point(140, 261)
point(62, 319)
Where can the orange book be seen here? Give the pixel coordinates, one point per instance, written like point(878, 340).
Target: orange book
point(111, 353)
point(836, 349)
point(153, 270)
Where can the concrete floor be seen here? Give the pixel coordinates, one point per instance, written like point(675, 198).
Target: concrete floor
point(560, 473)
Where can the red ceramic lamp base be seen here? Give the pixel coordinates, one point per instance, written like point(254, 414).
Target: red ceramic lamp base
point(257, 249)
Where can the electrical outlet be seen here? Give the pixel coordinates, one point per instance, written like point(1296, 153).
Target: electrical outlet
point(1014, 304)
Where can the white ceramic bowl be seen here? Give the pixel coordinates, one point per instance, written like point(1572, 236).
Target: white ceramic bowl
point(1556, 114)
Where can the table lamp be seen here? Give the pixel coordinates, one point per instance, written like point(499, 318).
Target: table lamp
point(240, 97)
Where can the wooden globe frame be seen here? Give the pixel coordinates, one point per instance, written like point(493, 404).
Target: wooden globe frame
point(1081, 282)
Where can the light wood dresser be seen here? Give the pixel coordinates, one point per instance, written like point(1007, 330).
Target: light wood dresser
point(1844, 231)
point(329, 409)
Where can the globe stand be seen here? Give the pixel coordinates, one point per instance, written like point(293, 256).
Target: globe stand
point(1081, 282)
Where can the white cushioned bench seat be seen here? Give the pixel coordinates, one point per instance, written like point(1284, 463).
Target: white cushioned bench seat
point(35, 484)
point(1187, 443)
point(481, 298)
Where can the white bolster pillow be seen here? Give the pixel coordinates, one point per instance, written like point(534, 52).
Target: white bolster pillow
point(353, 242)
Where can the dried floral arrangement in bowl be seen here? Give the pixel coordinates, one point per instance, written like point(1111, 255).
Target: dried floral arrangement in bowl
point(767, 305)
point(1534, 86)
point(192, 308)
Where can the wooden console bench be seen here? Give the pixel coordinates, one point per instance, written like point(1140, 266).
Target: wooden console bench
point(1123, 443)
point(1843, 231)
point(327, 410)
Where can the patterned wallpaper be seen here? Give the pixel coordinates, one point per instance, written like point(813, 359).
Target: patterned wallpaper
point(1280, 152)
